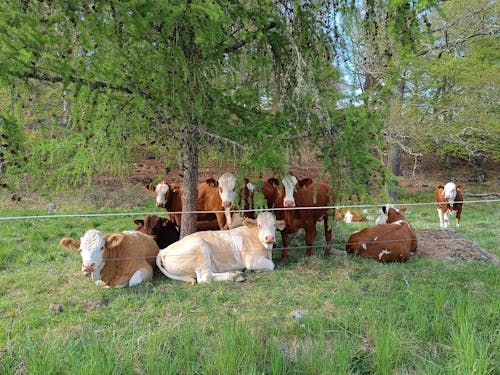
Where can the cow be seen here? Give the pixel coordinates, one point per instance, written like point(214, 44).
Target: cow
point(305, 193)
point(391, 241)
point(218, 197)
point(246, 199)
point(449, 200)
point(349, 215)
point(161, 229)
point(115, 259)
point(222, 255)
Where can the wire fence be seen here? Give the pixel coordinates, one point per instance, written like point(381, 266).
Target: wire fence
point(356, 206)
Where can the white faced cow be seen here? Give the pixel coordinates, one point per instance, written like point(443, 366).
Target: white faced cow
point(116, 259)
point(222, 255)
point(449, 200)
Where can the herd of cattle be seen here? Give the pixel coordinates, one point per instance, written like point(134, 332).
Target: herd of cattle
point(227, 243)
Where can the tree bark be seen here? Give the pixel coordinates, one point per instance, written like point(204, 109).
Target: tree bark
point(394, 165)
point(189, 166)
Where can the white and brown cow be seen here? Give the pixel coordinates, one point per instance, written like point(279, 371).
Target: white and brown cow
point(389, 242)
point(302, 204)
point(449, 200)
point(212, 196)
point(115, 259)
point(222, 255)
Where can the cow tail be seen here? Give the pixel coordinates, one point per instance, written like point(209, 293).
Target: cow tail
point(187, 279)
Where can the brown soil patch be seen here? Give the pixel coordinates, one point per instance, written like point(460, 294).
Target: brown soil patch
point(449, 245)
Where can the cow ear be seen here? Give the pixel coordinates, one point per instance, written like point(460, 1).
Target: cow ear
point(384, 209)
point(70, 243)
point(150, 187)
point(280, 224)
point(460, 187)
point(249, 222)
point(440, 187)
point(139, 223)
point(114, 240)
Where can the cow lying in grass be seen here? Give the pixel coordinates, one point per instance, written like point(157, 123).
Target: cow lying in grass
point(222, 255)
point(115, 259)
point(391, 241)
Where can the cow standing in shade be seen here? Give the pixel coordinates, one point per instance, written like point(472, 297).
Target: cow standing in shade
point(449, 200)
point(115, 259)
point(222, 255)
point(392, 241)
point(304, 193)
point(212, 196)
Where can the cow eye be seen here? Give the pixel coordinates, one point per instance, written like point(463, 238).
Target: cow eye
point(102, 248)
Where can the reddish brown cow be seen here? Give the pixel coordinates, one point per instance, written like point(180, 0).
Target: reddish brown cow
point(211, 197)
point(449, 200)
point(162, 230)
point(390, 242)
point(297, 194)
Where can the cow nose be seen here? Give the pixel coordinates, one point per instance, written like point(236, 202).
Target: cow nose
point(289, 203)
point(158, 204)
point(88, 267)
point(269, 239)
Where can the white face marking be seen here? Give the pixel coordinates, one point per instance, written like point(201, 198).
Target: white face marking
point(289, 183)
point(250, 187)
point(363, 246)
point(161, 192)
point(266, 222)
point(450, 192)
point(348, 217)
point(382, 253)
point(92, 249)
point(375, 239)
point(227, 183)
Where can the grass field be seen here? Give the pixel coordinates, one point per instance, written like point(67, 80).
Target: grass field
point(336, 315)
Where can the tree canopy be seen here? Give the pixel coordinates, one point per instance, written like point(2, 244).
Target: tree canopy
point(84, 85)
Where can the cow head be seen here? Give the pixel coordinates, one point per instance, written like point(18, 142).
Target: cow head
point(91, 247)
point(227, 184)
point(289, 183)
point(450, 192)
point(266, 224)
point(389, 214)
point(162, 190)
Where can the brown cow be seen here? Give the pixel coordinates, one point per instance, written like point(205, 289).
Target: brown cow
point(211, 197)
point(162, 230)
point(115, 259)
point(389, 242)
point(449, 200)
point(305, 193)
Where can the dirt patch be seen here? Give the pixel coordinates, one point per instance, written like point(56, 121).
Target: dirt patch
point(449, 245)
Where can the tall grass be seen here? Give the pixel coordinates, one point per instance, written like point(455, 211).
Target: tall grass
point(337, 315)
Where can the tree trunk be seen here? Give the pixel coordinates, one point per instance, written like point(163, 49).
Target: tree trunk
point(394, 165)
point(189, 166)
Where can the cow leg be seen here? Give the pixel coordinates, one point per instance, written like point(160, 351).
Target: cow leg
point(229, 276)
point(446, 218)
point(284, 252)
point(221, 220)
point(142, 274)
point(441, 217)
point(310, 236)
point(260, 264)
point(328, 236)
point(459, 212)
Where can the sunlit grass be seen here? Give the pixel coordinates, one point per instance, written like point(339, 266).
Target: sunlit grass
point(317, 315)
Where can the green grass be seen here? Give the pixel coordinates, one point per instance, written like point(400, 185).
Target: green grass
point(337, 315)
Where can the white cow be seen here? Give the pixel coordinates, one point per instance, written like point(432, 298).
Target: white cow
point(222, 255)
